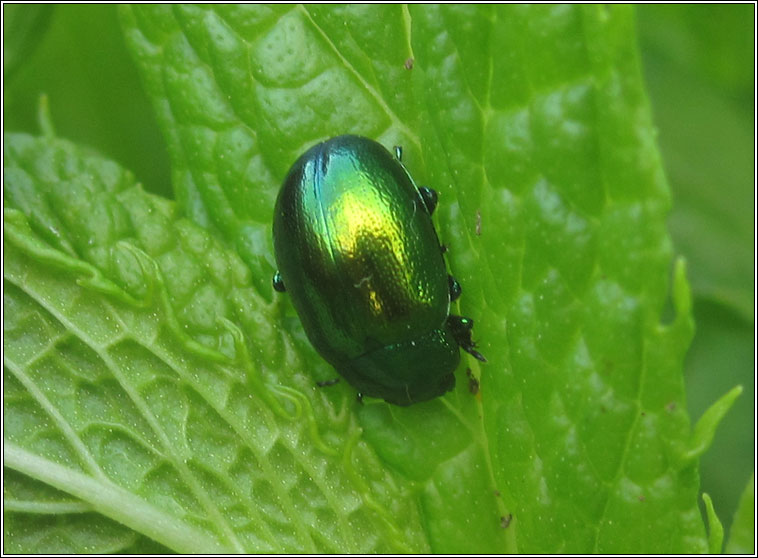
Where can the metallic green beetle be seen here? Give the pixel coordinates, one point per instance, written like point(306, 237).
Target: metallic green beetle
point(358, 253)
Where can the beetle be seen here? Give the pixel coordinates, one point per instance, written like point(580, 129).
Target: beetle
point(359, 256)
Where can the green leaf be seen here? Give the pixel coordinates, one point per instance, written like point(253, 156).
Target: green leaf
point(742, 534)
point(153, 377)
point(139, 382)
point(531, 122)
point(39, 519)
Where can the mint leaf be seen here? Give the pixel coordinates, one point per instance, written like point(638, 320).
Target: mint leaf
point(39, 519)
point(533, 125)
point(141, 385)
point(155, 382)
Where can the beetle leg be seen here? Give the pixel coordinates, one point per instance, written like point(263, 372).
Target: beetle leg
point(430, 198)
point(455, 288)
point(461, 328)
point(399, 152)
point(278, 282)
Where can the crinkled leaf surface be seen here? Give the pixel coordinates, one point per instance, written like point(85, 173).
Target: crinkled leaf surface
point(131, 387)
point(155, 383)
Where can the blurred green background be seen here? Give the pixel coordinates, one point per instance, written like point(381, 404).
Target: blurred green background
point(699, 67)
